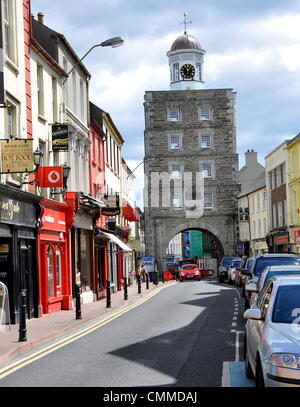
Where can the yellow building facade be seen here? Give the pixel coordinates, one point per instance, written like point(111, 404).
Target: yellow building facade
point(293, 149)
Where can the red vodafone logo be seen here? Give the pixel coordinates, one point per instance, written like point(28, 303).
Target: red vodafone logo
point(51, 177)
point(54, 176)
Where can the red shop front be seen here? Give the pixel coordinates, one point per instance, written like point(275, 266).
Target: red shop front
point(54, 257)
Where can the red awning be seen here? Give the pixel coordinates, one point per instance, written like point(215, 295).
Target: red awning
point(130, 213)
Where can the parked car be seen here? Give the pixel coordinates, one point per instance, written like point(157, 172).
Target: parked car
point(233, 270)
point(267, 274)
point(260, 262)
point(223, 268)
point(182, 262)
point(272, 346)
point(240, 276)
point(189, 272)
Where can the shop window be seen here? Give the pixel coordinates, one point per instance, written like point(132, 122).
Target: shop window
point(50, 273)
point(85, 260)
point(54, 272)
point(58, 272)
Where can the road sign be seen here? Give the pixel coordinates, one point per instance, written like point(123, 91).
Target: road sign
point(168, 276)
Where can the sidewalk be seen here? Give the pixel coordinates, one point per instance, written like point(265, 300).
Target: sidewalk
point(50, 326)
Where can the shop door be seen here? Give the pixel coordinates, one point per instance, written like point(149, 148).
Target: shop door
point(100, 267)
point(26, 278)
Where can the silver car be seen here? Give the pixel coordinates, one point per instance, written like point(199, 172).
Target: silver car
point(265, 276)
point(272, 339)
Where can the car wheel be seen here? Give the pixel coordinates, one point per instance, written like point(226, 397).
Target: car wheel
point(248, 369)
point(230, 281)
point(259, 377)
point(181, 280)
point(221, 279)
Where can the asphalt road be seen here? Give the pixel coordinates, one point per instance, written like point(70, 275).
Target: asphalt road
point(178, 338)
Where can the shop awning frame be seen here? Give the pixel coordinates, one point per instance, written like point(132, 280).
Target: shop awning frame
point(118, 241)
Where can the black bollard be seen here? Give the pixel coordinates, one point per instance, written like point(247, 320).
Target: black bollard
point(147, 281)
point(139, 285)
point(108, 294)
point(78, 302)
point(22, 316)
point(125, 289)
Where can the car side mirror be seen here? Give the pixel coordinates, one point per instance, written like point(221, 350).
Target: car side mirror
point(253, 313)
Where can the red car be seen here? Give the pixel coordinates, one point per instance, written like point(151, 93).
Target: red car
point(189, 272)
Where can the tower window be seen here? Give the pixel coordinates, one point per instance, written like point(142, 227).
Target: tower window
point(208, 200)
point(176, 72)
point(204, 113)
point(175, 171)
point(205, 141)
point(198, 71)
point(175, 142)
point(207, 170)
point(173, 114)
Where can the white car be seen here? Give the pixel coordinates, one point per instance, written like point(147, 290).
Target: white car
point(233, 270)
point(272, 339)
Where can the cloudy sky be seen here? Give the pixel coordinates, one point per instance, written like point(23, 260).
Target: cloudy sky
point(251, 46)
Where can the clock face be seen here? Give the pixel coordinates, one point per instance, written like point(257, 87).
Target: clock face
point(187, 71)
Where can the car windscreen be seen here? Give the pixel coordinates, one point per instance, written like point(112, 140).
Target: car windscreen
point(189, 268)
point(271, 274)
point(260, 264)
point(287, 304)
point(227, 261)
point(249, 264)
point(236, 263)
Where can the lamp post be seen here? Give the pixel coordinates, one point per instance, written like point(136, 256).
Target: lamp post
point(111, 42)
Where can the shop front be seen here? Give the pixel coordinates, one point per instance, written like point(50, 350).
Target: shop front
point(19, 218)
point(278, 242)
point(295, 240)
point(54, 256)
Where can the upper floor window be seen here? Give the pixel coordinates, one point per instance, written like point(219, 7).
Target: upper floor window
point(174, 142)
point(175, 171)
point(9, 29)
point(54, 99)
point(204, 113)
point(206, 141)
point(173, 114)
point(81, 100)
point(208, 200)
point(175, 72)
point(40, 90)
point(198, 71)
point(66, 88)
point(207, 170)
point(74, 86)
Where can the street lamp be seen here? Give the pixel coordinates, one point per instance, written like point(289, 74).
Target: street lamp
point(37, 158)
point(111, 42)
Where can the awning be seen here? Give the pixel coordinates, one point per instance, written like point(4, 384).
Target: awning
point(118, 241)
point(129, 212)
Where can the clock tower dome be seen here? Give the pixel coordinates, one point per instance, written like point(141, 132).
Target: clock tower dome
point(186, 60)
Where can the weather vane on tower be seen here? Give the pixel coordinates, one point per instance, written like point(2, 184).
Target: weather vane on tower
point(185, 22)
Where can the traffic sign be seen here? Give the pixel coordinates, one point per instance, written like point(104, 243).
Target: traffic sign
point(168, 276)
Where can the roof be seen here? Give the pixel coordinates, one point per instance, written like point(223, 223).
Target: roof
point(185, 41)
point(258, 183)
point(96, 115)
point(117, 133)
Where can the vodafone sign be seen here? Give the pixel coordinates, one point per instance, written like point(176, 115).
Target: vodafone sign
point(51, 177)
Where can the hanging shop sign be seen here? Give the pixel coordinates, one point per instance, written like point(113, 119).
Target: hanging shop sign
point(17, 212)
point(16, 156)
point(112, 205)
point(60, 137)
point(51, 177)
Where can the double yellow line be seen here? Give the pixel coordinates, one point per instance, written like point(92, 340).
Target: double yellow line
point(18, 364)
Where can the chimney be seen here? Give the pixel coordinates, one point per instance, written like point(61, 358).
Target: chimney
point(40, 18)
point(250, 158)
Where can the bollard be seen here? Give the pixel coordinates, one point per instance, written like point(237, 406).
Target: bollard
point(108, 294)
point(147, 281)
point(139, 285)
point(78, 302)
point(22, 316)
point(125, 289)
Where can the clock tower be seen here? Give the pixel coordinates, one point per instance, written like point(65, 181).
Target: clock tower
point(186, 61)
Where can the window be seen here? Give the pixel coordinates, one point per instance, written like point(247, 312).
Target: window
point(176, 72)
point(175, 142)
point(265, 227)
point(74, 86)
point(259, 228)
point(50, 273)
point(54, 99)
point(40, 90)
point(198, 71)
point(274, 210)
point(175, 171)
point(58, 272)
point(295, 207)
point(208, 200)
point(282, 169)
point(253, 229)
point(81, 101)
point(258, 202)
point(204, 113)
point(9, 30)
point(205, 141)
point(177, 202)
point(274, 179)
point(11, 121)
point(173, 114)
point(207, 170)
point(280, 214)
point(66, 88)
